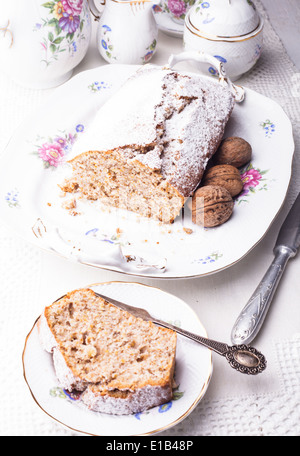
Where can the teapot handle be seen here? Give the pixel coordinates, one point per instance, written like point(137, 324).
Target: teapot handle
point(237, 91)
point(94, 10)
point(6, 30)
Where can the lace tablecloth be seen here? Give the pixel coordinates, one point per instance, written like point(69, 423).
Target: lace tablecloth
point(265, 405)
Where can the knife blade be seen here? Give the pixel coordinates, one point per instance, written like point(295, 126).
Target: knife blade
point(243, 358)
point(251, 318)
point(135, 311)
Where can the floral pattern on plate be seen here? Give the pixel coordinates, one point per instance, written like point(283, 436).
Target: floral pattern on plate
point(58, 392)
point(177, 7)
point(253, 181)
point(165, 22)
point(97, 86)
point(12, 198)
point(53, 150)
point(268, 127)
point(164, 407)
point(212, 258)
point(114, 239)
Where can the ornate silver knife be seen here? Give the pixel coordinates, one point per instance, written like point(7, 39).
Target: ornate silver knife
point(253, 314)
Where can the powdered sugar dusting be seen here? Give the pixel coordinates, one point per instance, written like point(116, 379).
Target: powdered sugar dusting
point(172, 123)
point(127, 117)
point(139, 401)
point(193, 135)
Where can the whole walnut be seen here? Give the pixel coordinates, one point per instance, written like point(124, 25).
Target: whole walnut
point(211, 206)
point(233, 151)
point(226, 176)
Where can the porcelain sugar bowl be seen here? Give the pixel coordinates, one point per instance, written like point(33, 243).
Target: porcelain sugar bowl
point(230, 30)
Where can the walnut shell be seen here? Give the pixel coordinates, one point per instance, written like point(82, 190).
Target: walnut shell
point(211, 206)
point(226, 176)
point(233, 151)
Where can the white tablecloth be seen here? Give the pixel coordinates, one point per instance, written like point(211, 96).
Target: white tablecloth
point(267, 404)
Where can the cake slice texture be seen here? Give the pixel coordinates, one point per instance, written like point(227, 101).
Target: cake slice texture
point(148, 146)
point(122, 364)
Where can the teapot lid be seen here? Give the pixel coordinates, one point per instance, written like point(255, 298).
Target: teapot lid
point(224, 18)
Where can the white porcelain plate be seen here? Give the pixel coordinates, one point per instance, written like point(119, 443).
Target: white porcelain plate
point(192, 373)
point(165, 22)
point(35, 162)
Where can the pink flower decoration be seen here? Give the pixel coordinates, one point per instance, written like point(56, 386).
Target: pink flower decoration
point(72, 7)
point(51, 153)
point(250, 179)
point(177, 7)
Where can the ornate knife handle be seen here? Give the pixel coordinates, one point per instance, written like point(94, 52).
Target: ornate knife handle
point(243, 358)
point(252, 316)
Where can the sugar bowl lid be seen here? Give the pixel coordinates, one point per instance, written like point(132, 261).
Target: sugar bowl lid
point(223, 18)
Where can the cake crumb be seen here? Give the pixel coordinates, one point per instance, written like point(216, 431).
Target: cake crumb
point(71, 206)
point(188, 230)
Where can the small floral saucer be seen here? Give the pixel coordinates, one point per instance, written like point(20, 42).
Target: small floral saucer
point(165, 22)
point(192, 372)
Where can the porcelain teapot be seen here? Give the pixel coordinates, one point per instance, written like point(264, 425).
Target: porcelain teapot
point(127, 30)
point(42, 41)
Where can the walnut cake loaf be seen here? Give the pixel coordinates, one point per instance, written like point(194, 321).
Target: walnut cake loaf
point(120, 363)
point(148, 146)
